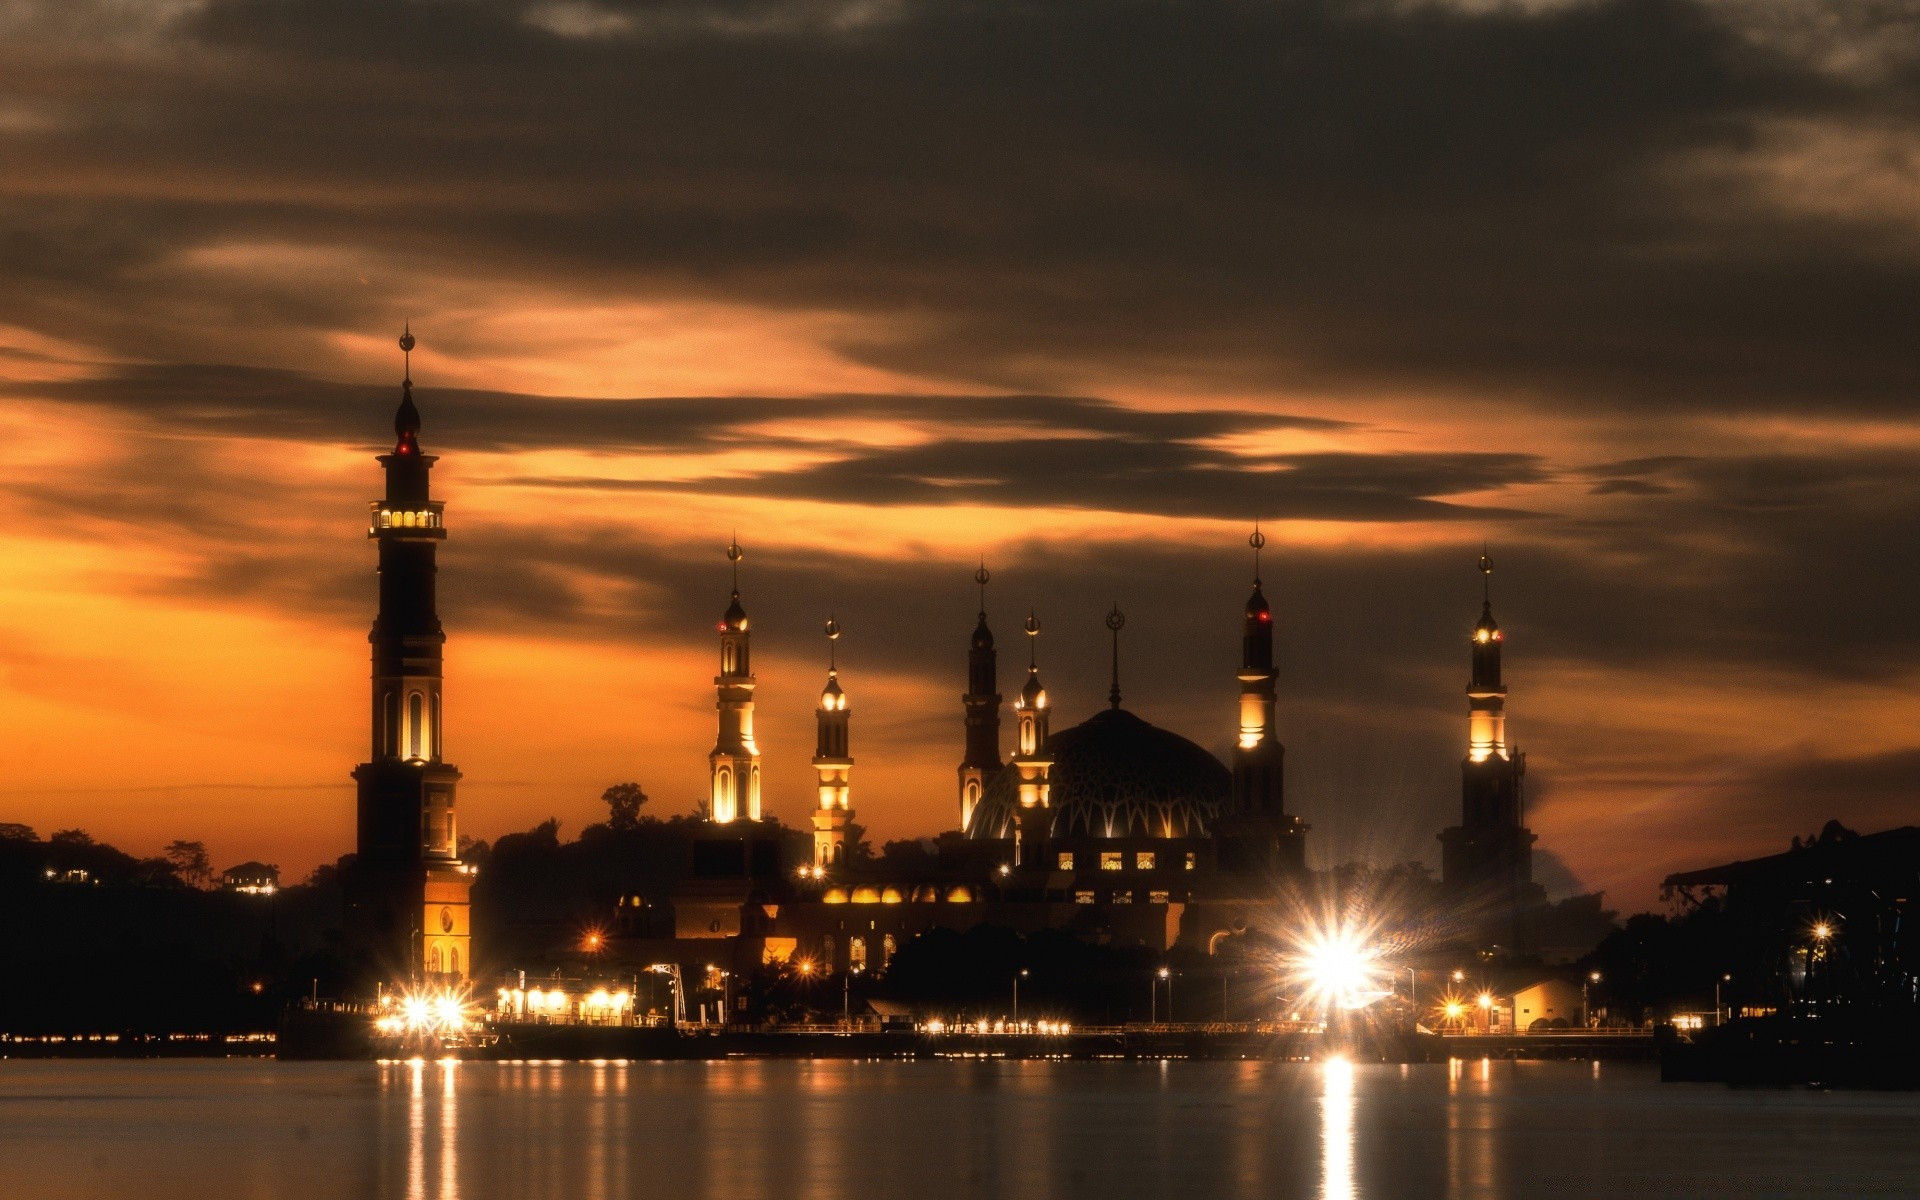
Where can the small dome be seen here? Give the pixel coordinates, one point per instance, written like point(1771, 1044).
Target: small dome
point(736, 619)
point(1033, 695)
point(1115, 775)
point(1257, 607)
point(982, 636)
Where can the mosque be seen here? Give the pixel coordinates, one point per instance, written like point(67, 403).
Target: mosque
point(1112, 829)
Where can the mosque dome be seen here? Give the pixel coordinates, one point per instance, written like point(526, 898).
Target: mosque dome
point(1115, 775)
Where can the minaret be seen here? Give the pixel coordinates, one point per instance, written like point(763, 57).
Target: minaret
point(1257, 838)
point(409, 888)
point(1032, 761)
point(833, 763)
point(734, 765)
point(1257, 753)
point(1487, 859)
point(982, 701)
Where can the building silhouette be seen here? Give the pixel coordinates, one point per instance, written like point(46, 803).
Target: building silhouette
point(407, 888)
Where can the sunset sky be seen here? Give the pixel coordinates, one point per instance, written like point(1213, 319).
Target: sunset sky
point(1627, 289)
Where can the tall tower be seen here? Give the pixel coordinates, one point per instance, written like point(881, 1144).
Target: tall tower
point(1258, 755)
point(1487, 859)
point(1032, 760)
point(409, 887)
point(734, 765)
point(1258, 838)
point(982, 701)
point(833, 764)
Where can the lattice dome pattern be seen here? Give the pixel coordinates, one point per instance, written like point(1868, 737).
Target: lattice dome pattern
point(1115, 775)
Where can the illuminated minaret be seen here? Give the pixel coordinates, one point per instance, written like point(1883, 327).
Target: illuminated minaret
point(1487, 859)
point(1257, 752)
point(1031, 760)
point(734, 765)
point(409, 888)
point(833, 763)
point(1256, 837)
point(982, 701)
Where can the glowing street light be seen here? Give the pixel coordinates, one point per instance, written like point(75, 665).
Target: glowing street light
point(1338, 969)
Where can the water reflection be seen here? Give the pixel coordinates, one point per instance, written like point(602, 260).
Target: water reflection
point(825, 1130)
point(1336, 1130)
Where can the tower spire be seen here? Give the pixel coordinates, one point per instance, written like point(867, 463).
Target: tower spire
point(981, 703)
point(1116, 621)
point(1486, 576)
point(406, 420)
point(409, 888)
point(1259, 542)
point(734, 763)
point(833, 764)
point(1032, 760)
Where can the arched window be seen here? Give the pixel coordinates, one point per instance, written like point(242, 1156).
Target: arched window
point(433, 960)
point(826, 952)
point(886, 951)
point(453, 960)
point(390, 724)
point(415, 719)
point(839, 853)
point(857, 954)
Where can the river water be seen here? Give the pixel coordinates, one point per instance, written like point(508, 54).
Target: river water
point(741, 1129)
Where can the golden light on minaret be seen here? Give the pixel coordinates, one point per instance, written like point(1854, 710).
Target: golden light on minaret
point(833, 763)
point(734, 764)
point(1033, 764)
point(1486, 695)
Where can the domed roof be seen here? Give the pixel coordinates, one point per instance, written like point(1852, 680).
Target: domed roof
point(1115, 775)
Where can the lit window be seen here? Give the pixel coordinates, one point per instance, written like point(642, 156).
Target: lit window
point(1084, 897)
point(416, 747)
point(1144, 860)
point(1066, 860)
point(857, 954)
point(887, 948)
point(1123, 897)
point(1111, 860)
point(1190, 858)
point(1157, 897)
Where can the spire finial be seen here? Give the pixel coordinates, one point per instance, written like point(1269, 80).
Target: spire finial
point(1259, 542)
point(981, 577)
point(1116, 621)
point(833, 638)
point(734, 555)
point(1486, 574)
point(1033, 637)
point(406, 421)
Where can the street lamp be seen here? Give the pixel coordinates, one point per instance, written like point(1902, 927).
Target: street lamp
point(726, 993)
point(1154, 994)
point(846, 996)
point(1016, 996)
point(1716, 997)
point(1586, 1016)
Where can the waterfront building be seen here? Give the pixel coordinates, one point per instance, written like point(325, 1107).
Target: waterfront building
point(408, 889)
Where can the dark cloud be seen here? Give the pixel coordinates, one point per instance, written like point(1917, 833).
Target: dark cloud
point(257, 402)
point(1555, 204)
point(1161, 478)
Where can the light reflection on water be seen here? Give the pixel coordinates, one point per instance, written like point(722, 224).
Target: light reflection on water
point(743, 1130)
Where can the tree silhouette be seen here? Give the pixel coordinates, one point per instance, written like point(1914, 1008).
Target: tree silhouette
point(190, 862)
point(624, 801)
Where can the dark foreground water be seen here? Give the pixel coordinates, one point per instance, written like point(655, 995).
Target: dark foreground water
point(929, 1130)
